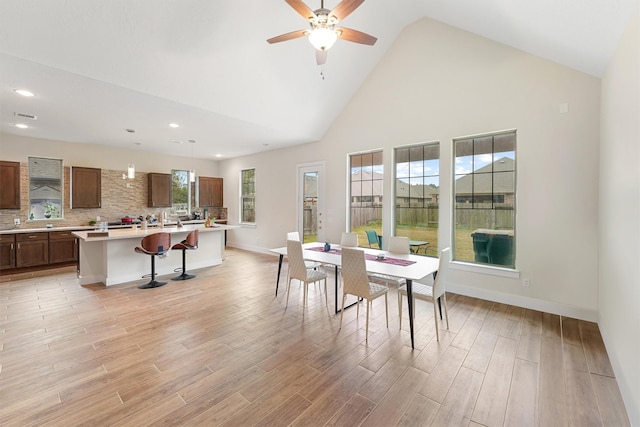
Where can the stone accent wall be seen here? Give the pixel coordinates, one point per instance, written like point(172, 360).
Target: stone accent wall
point(120, 197)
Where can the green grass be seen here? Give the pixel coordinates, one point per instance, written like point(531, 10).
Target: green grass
point(464, 242)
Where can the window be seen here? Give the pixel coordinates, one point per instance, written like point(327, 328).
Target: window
point(366, 181)
point(45, 188)
point(485, 199)
point(248, 196)
point(181, 194)
point(417, 196)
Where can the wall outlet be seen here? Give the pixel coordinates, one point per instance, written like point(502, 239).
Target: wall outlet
point(16, 221)
point(526, 283)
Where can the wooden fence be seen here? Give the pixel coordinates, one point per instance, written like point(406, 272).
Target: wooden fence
point(483, 216)
point(363, 216)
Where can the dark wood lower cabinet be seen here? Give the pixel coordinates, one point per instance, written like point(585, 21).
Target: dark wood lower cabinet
point(63, 247)
point(32, 249)
point(21, 252)
point(7, 251)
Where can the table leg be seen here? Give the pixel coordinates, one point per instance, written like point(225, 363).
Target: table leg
point(279, 269)
point(409, 300)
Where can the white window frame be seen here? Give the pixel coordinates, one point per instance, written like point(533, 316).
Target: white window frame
point(506, 271)
point(243, 196)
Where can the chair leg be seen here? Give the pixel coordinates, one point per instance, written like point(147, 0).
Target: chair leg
point(413, 307)
point(446, 312)
point(288, 289)
point(435, 318)
point(153, 283)
point(386, 308)
point(326, 296)
point(366, 336)
point(344, 297)
point(305, 291)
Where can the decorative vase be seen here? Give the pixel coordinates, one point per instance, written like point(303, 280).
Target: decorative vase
point(327, 247)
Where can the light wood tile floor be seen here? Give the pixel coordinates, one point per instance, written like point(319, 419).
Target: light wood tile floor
point(222, 350)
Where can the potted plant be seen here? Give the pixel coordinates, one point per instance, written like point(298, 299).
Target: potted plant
point(49, 210)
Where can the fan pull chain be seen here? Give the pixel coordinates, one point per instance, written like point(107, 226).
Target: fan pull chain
point(322, 71)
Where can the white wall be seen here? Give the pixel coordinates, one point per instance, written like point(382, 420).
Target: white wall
point(18, 149)
point(619, 296)
point(436, 83)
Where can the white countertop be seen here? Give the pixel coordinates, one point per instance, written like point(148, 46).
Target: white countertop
point(90, 227)
point(130, 233)
point(46, 229)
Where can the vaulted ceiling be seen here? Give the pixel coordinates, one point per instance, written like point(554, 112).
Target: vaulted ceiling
point(99, 67)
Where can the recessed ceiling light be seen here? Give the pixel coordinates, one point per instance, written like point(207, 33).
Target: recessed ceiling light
point(218, 155)
point(174, 125)
point(175, 141)
point(21, 126)
point(24, 92)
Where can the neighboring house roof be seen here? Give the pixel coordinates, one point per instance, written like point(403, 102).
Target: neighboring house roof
point(403, 189)
point(502, 182)
point(310, 186)
point(374, 178)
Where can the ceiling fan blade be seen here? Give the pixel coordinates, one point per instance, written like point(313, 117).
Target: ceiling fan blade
point(288, 36)
point(321, 56)
point(301, 8)
point(344, 8)
point(356, 36)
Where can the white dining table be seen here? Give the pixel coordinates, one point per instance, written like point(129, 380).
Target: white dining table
point(420, 267)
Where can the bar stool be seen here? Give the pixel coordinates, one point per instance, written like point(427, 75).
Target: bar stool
point(154, 244)
point(188, 244)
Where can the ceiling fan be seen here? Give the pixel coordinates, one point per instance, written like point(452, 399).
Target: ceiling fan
point(323, 33)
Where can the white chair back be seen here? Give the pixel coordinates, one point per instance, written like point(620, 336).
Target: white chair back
point(349, 240)
point(441, 278)
point(399, 245)
point(354, 273)
point(293, 235)
point(297, 267)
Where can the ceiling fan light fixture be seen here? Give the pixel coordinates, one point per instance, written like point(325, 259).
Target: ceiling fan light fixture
point(323, 38)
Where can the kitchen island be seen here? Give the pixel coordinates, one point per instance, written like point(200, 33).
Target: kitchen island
point(110, 259)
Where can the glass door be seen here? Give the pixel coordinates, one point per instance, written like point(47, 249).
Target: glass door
point(311, 202)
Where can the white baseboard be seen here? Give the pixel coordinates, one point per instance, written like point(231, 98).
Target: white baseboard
point(251, 248)
point(633, 411)
point(525, 302)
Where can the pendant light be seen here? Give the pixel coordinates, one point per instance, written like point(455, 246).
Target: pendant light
point(131, 168)
point(192, 172)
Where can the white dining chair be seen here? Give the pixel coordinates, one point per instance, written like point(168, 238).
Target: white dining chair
point(425, 292)
point(349, 240)
point(298, 271)
point(356, 282)
point(294, 235)
point(400, 246)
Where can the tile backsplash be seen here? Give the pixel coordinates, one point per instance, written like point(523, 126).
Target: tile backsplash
point(120, 197)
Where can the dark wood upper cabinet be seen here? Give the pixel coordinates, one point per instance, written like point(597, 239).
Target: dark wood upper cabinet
point(159, 190)
point(86, 187)
point(210, 192)
point(9, 185)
